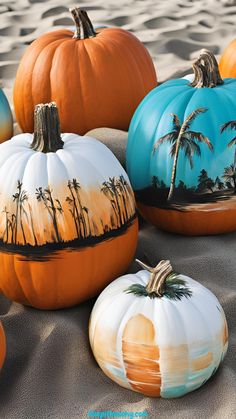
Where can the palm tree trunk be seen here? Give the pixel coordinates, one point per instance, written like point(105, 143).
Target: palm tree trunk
point(126, 212)
point(75, 208)
point(54, 217)
point(89, 227)
point(16, 222)
point(174, 169)
point(82, 214)
point(118, 207)
point(22, 226)
point(32, 225)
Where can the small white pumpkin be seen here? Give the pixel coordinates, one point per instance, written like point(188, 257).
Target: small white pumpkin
point(162, 334)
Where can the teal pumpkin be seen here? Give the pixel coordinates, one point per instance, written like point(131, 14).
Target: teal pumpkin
point(6, 120)
point(181, 152)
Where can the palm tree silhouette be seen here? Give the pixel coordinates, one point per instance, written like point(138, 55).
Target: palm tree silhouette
point(16, 199)
point(219, 184)
point(77, 188)
point(32, 225)
point(229, 175)
point(23, 199)
point(230, 125)
point(110, 189)
point(46, 197)
point(122, 186)
point(20, 197)
point(181, 137)
point(5, 211)
point(74, 211)
point(86, 210)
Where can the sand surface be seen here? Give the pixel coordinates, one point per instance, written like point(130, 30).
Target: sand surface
point(174, 31)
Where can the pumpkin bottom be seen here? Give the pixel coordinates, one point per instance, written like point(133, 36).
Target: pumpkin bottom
point(2, 346)
point(190, 222)
point(69, 276)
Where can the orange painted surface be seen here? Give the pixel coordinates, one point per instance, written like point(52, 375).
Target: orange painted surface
point(225, 334)
point(141, 356)
point(2, 346)
point(190, 222)
point(227, 64)
point(70, 276)
point(202, 362)
point(97, 89)
point(6, 131)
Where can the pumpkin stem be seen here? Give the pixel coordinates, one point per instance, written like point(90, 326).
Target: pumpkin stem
point(159, 274)
point(47, 135)
point(206, 71)
point(83, 25)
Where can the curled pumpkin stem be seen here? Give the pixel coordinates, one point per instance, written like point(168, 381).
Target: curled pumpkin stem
point(206, 71)
point(83, 26)
point(158, 276)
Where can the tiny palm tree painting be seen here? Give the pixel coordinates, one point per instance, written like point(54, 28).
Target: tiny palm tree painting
point(71, 214)
point(182, 137)
point(229, 173)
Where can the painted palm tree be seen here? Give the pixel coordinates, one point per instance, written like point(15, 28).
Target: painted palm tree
point(229, 176)
point(74, 209)
point(16, 199)
point(181, 137)
point(231, 125)
point(32, 225)
point(23, 213)
point(109, 188)
point(86, 211)
point(219, 184)
point(46, 197)
point(6, 232)
point(20, 197)
point(77, 188)
point(12, 227)
point(122, 186)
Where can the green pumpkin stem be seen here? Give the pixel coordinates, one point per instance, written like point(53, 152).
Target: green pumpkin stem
point(83, 25)
point(158, 276)
point(206, 71)
point(47, 135)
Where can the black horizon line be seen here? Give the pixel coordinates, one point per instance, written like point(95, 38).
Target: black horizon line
point(43, 252)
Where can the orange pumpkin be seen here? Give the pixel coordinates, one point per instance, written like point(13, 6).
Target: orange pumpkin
point(68, 223)
point(2, 346)
point(97, 78)
point(228, 61)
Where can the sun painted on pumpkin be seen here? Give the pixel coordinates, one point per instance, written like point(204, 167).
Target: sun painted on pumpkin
point(158, 333)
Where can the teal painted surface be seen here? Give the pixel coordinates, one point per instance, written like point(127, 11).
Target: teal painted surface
point(6, 120)
point(152, 120)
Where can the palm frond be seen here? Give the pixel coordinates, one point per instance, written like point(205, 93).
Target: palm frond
point(187, 141)
point(229, 124)
point(170, 137)
point(189, 154)
point(188, 121)
point(232, 142)
point(137, 289)
point(173, 150)
point(176, 122)
point(175, 289)
point(199, 137)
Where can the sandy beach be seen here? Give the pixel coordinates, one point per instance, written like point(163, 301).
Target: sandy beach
point(174, 32)
point(50, 371)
